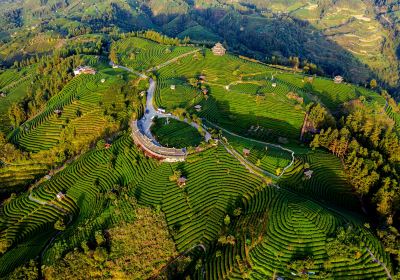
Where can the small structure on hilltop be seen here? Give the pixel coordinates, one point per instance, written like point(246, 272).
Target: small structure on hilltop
point(218, 49)
point(60, 196)
point(107, 145)
point(3, 94)
point(198, 108)
point(172, 87)
point(308, 173)
point(273, 84)
point(338, 79)
point(102, 81)
point(246, 152)
point(181, 181)
point(84, 70)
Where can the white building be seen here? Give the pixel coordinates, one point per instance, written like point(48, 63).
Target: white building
point(84, 70)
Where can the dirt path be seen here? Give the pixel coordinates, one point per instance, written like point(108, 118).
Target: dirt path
point(249, 166)
point(380, 263)
point(303, 128)
point(259, 142)
point(171, 60)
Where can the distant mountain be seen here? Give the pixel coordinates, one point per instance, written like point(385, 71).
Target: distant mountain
point(354, 38)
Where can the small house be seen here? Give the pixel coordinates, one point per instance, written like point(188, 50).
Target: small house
point(181, 181)
point(172, 87)
point(161, 110)
point(338, 79)
point(205, 91)
point(218, 49)
point(58, 111)
point(60, 196)
point(107, 145)
point(198, 108)
point(3, 94)
point(246, 152)
point(308, 173)
point(84, 70)
point(273, 84)
point(47, 177)
point(102, 81)
point(202, 78)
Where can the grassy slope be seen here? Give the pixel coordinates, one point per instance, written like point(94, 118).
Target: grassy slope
point(175, 134)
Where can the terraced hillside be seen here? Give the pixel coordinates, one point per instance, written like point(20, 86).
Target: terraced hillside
point(84, 185)
point(142, 54)
point(232, 221)
point(232, 95)
point(80, 113)
point(13, 84)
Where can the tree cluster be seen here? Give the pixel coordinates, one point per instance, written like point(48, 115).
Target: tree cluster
point(369, 148)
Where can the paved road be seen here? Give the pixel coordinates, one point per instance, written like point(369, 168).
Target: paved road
point(146, 121)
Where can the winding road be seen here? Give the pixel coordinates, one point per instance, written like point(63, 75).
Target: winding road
point(146, 121)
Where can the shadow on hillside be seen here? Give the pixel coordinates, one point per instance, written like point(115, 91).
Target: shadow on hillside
point(319, 188)
point(251, 34)
point(270, 129)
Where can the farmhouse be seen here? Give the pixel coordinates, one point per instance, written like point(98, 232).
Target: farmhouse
point(308, 173)
point(338, 79)
point(218, 49)
point(60, 196)
point(84, 70)
point(246, 152)
point(181, 181)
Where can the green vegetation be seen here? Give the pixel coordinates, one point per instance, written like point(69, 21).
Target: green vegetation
point(142, 54)
point(174, 133)
point(138, 249)
point(256, 202)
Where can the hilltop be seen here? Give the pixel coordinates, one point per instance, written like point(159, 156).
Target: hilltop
point(355, 39)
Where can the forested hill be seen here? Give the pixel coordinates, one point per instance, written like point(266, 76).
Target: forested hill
point(356, 39)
